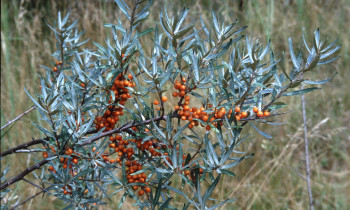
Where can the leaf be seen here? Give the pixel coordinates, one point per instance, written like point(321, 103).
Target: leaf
point(169, 127)
point(123, 7)
point(222, 203)
point(122, 200)
point(195, 66)
point(144, 32)
point(319, 82)
point(157, 194)
point(165, 204)
point(36, 102)
point(261, 132)
point(158, 129)
point(184, 31)
point(233, 164)
point(4, 133)
point(211, 189)
point(291, 51)
point(179, 132)
point(224, 171)
point(328, 61)
point(298, 92)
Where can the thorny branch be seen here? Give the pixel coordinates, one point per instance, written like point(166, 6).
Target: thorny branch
point(23, 174)
point(18, 117)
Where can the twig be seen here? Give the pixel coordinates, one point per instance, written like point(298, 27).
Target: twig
point(308, 181)
point(23, 174)
point(123, 128)
point(132, 17)
point(28, 199)
point(18, 117)
point(21, 146)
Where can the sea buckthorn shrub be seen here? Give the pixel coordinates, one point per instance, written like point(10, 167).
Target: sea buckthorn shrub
point(151, 114)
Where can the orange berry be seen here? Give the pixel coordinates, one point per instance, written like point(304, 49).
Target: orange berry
point(54, 69)
point(238, 118)
point(65, 192)
point(164, 98)
point(221, 114)
point(266, 113)
point(141, 193)
point(187, 98)
point(130, 76)
point(177, 85)
point(255, 109)
point(155, 102)
point(182, 93)
point(51, 168)
point(183, 118)
point(148, 190)
point(260, 114)
point(82, 85)
point(205, 118)
point(146, 130)
point(183, 87)
point(177, 107)
point(244, 114)
point(75, 160)
point(86, 191)
point(201, 170)
point(237, 109)
point(183, 79)
point(175, 94)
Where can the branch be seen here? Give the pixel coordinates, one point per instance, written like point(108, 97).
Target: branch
point(308, 181)
point(254, 117)
point(123, 128)
point(18, 117)
point(23, 174)
point(28, 199)
point(22, 146)
point(27, 144)
point(132, 17)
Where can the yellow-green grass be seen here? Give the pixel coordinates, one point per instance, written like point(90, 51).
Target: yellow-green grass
point(270, 179)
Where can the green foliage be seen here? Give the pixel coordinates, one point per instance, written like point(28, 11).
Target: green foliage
point(222, 71)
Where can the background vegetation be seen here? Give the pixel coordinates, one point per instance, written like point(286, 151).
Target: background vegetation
point(273, 178)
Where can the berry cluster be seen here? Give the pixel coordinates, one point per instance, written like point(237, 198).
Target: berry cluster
point(58, 63)
point(190, 113)
point(260, 113)
point(124, 149)
point(111, 115)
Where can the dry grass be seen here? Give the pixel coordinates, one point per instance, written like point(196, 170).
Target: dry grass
point(272, 179)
